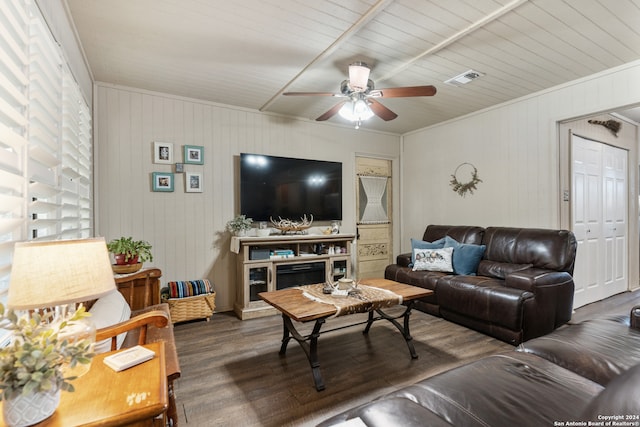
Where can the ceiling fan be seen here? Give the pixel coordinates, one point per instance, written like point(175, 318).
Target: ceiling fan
point(361, 93)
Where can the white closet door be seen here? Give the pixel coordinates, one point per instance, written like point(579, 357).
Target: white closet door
point(615, 219)
point(599, 216)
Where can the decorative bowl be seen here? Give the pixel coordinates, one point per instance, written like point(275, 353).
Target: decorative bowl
point(126, 268)
point(292, 228)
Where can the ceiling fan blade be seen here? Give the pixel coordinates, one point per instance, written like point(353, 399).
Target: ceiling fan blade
point(331, 112)
point(312, 94)
point(381, 111)
point(402, 92)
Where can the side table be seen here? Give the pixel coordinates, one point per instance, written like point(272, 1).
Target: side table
point(134, 397)
point(141, 289)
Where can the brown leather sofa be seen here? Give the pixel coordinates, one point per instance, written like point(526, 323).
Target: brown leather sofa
point(523, 288)
point(581, 374)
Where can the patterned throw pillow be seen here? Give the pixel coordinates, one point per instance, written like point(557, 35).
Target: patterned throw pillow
point(189, 288)
point(433, 259)
point(421, 244)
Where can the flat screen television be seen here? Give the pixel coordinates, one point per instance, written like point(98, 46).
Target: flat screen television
point(285, 187)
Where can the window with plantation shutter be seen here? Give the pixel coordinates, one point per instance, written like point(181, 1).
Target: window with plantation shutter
point(14, 59)
point(45, 113)
point(45, 138)
point(76, 162)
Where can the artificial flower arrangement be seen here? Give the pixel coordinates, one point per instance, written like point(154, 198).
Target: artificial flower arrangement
point(37, 358)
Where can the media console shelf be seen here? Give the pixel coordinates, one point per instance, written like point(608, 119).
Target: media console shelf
point(283, 261)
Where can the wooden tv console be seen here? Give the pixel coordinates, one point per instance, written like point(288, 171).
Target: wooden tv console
point(281, 261)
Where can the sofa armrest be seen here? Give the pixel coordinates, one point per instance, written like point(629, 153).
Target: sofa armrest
point(635, 317)
point(532, 278)
point(404, 260)
point(553, 299)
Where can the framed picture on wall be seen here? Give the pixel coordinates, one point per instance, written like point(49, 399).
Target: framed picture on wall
point(194, 154)
point(162, 181)
point(193, 182)
point(163, 153)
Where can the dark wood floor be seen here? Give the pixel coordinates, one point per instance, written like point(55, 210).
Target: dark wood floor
point(232, 373)
point(617, 304)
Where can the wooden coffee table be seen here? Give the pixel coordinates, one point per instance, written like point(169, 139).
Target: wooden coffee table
point(295, 306)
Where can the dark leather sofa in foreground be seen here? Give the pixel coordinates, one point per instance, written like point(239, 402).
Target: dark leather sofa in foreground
point(523, 286)
point(579, 375)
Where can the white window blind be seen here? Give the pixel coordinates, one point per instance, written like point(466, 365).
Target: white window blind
point(45, 113)
point(45, 138)
point(76, 161)
point(14, 59)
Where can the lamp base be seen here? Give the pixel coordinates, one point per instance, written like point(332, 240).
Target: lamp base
point(75, 332)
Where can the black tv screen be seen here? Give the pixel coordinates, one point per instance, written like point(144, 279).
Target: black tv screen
point(289, 188)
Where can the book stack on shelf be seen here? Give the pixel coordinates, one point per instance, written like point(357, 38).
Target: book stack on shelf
point(282, 253)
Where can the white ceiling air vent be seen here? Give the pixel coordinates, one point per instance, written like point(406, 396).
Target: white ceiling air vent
point(464, 78)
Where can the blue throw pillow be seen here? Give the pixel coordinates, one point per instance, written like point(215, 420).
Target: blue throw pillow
point(466, 257)
point(421, 244)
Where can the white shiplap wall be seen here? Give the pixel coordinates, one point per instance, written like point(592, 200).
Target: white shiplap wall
point(187, 229)
point(516, 151)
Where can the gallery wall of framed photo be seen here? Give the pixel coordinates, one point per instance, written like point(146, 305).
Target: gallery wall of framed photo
point(163, 154)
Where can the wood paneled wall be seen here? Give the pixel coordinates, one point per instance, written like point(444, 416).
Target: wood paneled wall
point(516, 149)
point(187, 229)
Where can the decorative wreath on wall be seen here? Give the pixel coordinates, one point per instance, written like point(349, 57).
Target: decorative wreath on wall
point(463, 187)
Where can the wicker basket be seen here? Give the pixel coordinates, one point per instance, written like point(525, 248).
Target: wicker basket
point(191, 308)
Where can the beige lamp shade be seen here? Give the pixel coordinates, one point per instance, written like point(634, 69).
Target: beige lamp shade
point(47, 274)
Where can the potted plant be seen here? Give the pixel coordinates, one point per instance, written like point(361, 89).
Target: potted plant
point(239, 225)
point(129, 251)
point(37, 365)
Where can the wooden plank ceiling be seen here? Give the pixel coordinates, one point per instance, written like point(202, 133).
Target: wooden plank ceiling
point(246, 53)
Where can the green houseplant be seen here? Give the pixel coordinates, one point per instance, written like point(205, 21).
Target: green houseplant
point(129, 251)
point(239, 225)
point(38, 363)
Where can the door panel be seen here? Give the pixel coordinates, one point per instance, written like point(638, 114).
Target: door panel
point(586, 216)
point(615, 218)
point(373, 189)
point(599, 217)
point(374, 251)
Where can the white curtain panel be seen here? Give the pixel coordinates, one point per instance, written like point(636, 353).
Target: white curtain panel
point(374, 210)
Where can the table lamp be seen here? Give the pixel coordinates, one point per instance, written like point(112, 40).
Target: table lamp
point(59, 274)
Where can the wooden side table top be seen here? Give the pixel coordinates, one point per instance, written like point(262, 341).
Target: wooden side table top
point(104, 397)
point(293, 304)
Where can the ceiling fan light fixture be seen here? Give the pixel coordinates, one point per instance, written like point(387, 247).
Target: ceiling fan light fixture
point(356, 111)
point(360, 92)
point(359, 76)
